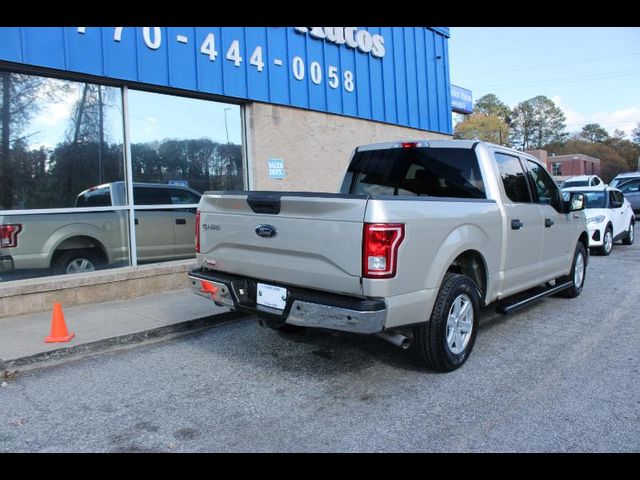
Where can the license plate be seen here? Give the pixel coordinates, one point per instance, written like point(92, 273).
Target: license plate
point(271, 296)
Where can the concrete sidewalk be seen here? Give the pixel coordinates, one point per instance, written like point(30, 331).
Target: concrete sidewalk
point(101, 326)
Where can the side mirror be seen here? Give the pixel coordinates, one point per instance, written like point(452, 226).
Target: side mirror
point(576, 202)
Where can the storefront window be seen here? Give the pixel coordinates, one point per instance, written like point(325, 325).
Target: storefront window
point(185, 141)
point(61, 148)
point(57, 138)
point(180, 147)
point(64, 206)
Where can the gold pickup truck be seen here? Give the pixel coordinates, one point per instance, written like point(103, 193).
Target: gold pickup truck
point(86, 240)
point(420, 236)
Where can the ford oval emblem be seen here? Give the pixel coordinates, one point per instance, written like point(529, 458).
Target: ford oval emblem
point(266, 231)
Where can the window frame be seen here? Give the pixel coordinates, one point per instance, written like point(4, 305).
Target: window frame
point(124, 86)
point(556, 201)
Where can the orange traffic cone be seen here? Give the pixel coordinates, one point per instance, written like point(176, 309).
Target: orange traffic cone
point(59, 331)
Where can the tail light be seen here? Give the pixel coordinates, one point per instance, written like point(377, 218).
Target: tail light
point(9, 235)
point(198, 232)
point(380, 249)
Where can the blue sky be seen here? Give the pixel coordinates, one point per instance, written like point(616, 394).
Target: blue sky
point(592, 73)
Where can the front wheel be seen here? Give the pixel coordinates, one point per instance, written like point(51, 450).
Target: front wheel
point(577, 274)
point(445, 342)
point(607, 242)
point(628, 239)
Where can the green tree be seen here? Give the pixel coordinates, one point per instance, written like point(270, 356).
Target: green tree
point(490, 104)
point(537, 122)
point(593, 132)
point(619, 134)
point(626, 149)
point(488, 128)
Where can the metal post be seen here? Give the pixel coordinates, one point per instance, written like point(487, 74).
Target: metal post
point(225, 123)
point(133, 255)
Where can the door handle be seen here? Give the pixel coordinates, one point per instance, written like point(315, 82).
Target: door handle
point(516, 224)
point(181, 221)
point(548, 222)
point(135, 221)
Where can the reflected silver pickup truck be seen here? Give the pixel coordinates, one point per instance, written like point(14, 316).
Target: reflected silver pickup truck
point(420, 237)
point(82, 241)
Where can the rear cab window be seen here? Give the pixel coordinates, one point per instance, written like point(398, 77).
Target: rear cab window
point(94, 197)
point(416, 171)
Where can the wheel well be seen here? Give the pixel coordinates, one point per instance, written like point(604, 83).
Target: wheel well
point(80, 243)
point(584, 238)
point(471, 263)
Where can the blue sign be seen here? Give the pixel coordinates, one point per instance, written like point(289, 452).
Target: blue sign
point(398, 75)
point(179, 183)
point(276, 168)
point(461, 100)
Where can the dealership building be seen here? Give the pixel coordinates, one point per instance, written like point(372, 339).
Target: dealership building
point(110, 134)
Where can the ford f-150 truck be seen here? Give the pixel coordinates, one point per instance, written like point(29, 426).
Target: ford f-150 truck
point(421, 235)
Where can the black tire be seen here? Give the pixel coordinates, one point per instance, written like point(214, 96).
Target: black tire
point(630, 236)
point(603, 249)
point(63, 262)
point(430, 339)
point(574, 290)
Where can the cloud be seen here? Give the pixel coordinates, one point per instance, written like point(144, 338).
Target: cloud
point(626, 119)
point(54, 113)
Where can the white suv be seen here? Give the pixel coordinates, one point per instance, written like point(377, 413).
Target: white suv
point(609, 217)
point(583, 181)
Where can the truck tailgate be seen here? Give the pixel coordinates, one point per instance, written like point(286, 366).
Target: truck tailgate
point(318, 240)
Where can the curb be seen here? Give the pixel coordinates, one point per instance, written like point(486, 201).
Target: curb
point(119, 341)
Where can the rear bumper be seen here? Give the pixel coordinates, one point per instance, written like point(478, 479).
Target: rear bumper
point(304, 307)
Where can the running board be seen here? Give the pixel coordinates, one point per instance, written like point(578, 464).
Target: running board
point(507, 308)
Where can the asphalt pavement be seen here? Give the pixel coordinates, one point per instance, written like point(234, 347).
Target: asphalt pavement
point(559, 376)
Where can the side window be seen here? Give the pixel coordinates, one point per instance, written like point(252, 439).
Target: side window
point(612, 198)
point(596, 181)
point(182, 197)
point(619, 197)
point(150, 196)
point(513, 178)
point(631, 187)
point(544, 185)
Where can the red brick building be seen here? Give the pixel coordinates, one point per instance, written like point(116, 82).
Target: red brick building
point(563, 166)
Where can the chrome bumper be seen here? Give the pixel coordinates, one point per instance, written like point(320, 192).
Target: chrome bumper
point(307, 314)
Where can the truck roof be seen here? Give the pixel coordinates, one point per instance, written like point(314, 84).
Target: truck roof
point(440, 143)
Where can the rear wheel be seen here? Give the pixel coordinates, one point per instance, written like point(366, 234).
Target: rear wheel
point(628, 239)
point(445, 342)
point(77, 261)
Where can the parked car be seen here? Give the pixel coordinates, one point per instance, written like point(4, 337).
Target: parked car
point(582, 181)
point(83, 241)
point(624, 177)
point(631, 191)
point(421, 235)
point(609, 217)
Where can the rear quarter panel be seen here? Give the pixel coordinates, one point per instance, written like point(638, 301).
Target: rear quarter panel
point(436, 232)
